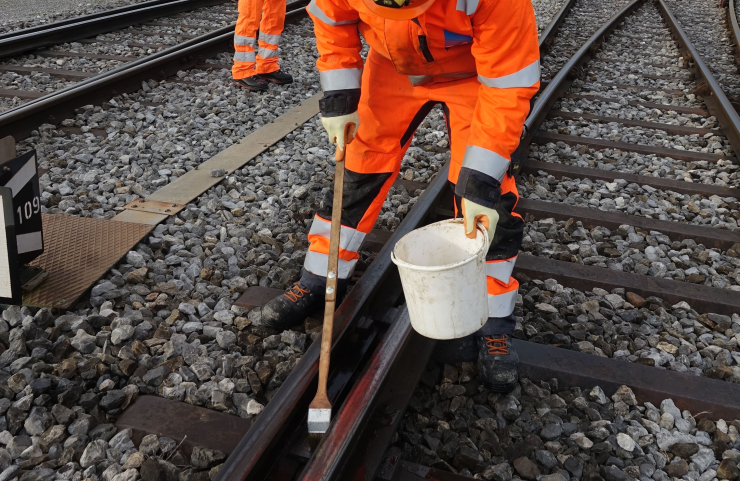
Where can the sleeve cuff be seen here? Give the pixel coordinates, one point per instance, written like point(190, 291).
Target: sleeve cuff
point(478, 187)
point(336, 103)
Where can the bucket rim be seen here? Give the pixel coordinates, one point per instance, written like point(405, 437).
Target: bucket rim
point(445, 267)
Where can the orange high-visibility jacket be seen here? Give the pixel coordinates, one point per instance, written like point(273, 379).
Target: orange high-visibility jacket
point(493, 39)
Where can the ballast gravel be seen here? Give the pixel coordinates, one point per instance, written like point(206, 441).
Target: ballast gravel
point(548, 432)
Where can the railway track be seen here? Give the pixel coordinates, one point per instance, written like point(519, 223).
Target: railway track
point(152, 40)
point(647, 126)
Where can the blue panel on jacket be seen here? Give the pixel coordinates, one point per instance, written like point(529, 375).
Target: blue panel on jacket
point(453, 39)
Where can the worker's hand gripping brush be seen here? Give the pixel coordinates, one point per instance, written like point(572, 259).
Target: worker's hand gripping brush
point(319, 411)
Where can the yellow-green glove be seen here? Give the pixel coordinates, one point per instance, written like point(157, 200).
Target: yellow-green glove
point(473, 214)
point(336, 127)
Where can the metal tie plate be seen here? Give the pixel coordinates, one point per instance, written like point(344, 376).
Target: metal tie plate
point(155, 207)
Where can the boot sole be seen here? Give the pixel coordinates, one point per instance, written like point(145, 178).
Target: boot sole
point(251, 89)
point(276, 82)
point(499, 387)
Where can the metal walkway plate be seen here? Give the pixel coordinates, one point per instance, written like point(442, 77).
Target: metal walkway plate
point(78, 252)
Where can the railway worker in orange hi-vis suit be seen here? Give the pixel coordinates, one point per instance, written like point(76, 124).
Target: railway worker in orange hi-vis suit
point(478, 59)
point(256, 56)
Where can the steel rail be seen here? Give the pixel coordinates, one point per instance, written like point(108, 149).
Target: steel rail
point(82, 18)
point(20, 121)
point(343, 434)
point(715, 98)
point(86, 27)
point(253, 456)
point(734, 28)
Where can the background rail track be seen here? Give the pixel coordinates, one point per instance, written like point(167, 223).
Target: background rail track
point(186, 46)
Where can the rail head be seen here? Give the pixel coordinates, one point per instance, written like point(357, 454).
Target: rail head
point(734, 28)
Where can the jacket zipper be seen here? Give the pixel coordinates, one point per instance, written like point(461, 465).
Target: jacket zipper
point(423, 46)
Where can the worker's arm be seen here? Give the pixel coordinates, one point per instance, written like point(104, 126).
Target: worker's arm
point(339, 64)
point(506, 51)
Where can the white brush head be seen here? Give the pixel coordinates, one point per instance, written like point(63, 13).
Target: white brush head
point(318, 420)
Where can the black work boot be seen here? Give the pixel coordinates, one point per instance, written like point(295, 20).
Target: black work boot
point(253, 83)
point(300, 301)
point(498, 363)
point(277, 77)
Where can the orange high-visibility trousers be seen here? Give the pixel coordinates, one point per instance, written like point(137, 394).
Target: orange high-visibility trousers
point(390, 110)
point(269, 17)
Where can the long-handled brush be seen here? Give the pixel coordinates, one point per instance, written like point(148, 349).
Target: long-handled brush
point(319, 411)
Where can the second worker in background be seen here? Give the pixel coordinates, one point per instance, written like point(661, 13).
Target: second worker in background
point(479, 59)
point(256, 58)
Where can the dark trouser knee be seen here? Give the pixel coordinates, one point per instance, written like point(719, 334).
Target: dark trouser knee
point(497, 326)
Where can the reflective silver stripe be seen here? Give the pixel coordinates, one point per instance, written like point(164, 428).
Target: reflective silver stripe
point(467, 6)
point(244, 57)
point(486, 161)
point(21, 178)
point(340, 79)
point(501, 305)
point(318, 263)
point(241, 40)
point(350, 239)
point(526, 77)
point(271, 39)
point(419, 79)
point(501, 270)
point(266, 52)
point(314, 10)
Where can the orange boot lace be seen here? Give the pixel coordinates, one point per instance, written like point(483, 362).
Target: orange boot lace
point(497, 345)
point(295, 293)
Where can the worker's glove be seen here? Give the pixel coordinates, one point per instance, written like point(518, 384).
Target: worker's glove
point(341, 127)
point(474, 214)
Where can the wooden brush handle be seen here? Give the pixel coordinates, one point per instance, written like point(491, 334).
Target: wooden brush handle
point(332, 276)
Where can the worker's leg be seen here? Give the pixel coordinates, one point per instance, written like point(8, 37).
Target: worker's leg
point(390, 110)
point(245, 38)
point(271, 29)
point(497, 361)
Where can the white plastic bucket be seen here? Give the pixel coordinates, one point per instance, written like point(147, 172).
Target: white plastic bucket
point(443, 274)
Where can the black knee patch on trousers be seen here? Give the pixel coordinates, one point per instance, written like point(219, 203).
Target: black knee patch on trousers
point(510, 230)
point(360, 190)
